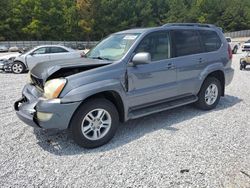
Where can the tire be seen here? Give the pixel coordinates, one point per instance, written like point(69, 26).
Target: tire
point(243, 65)
point(235, 50)
point(18, 67)
point(86, 127)
point(207, 86)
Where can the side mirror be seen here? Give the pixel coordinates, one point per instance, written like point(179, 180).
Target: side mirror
point(141, 58)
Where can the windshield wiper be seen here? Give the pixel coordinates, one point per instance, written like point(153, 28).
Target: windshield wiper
point(101, 58)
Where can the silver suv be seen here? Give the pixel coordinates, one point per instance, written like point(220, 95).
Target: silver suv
point(128, 75)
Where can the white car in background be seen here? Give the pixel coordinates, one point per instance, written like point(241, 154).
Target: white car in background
point(3, 48)
point(234, 45)
point(246, 46)
point(39, 54)
point(7, 58)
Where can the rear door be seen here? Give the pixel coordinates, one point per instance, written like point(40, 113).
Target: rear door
point(188, 59)
point(57, 53)
point(194, 50)
point(154, 81)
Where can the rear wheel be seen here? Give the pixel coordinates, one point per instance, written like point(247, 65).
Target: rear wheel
point(209, 94)
point(18, 67)
point(94, 123)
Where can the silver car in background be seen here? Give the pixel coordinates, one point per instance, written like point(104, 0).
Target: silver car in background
point(3, 48)
point(7, 59)
point(29, 59)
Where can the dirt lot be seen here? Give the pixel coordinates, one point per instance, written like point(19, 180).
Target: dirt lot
point(184, 147)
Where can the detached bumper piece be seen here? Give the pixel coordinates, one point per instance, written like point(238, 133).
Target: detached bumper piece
point(33, 110)
point(26, 112)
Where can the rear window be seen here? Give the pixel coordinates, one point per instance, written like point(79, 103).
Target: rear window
point(186, 42)
point(210, 40)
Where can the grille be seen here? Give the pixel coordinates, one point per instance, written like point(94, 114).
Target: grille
point(37, 82)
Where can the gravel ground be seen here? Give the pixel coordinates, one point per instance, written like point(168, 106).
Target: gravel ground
point(184, 147)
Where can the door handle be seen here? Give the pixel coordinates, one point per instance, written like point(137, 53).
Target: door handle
point(170, 66)
point(201, 60)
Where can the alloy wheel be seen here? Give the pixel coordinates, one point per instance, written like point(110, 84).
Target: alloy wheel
point(17, 68)
point(96, 124)
point(211, 94)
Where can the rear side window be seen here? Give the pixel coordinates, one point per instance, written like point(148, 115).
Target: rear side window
point(57, 50)
point(210, 40)
point(186, 42)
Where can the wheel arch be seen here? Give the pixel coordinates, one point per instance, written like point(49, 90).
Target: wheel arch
point(112, 96)
point(219, 74)
point(18, 61)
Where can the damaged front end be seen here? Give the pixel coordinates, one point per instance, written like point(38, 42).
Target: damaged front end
point(41, 105)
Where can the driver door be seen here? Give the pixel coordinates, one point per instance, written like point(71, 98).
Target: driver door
point(37, 56)
point(155, 81)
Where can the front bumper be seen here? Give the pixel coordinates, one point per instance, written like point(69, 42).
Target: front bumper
point(32, 102)
point(6, 65)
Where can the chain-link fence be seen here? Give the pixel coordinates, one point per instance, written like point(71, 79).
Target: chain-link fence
point(81, 45)
point(89, 44)
point(238, 34)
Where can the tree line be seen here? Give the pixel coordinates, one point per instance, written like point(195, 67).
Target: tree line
point(94, 19)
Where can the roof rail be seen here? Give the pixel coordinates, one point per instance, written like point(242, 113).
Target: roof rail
point(189, 24)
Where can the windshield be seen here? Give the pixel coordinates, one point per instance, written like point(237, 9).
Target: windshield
point(113, 47)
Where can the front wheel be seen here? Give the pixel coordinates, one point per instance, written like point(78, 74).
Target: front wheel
point(18, 67)
point(210, 94)
point(94, 123)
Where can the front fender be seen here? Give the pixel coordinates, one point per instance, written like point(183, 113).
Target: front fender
point(21, 59)
point(85, 91)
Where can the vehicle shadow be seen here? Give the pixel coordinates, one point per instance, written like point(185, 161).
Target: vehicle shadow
point(61, 143)
point(247, 69)
point(10, 72)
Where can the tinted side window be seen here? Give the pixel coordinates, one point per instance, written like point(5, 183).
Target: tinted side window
point(186, 42)
point(157, 44)
point(57, 50)
point(42, 50)
point(210, 40)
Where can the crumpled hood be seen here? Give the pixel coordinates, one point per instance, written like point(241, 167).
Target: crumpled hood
point(6, 57)
point(65, 66)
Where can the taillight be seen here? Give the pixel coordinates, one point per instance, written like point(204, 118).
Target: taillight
point(230, 52)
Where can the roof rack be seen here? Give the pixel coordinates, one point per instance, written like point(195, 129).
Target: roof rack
point(189, 24)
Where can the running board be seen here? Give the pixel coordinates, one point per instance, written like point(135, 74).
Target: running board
point(133, 114)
